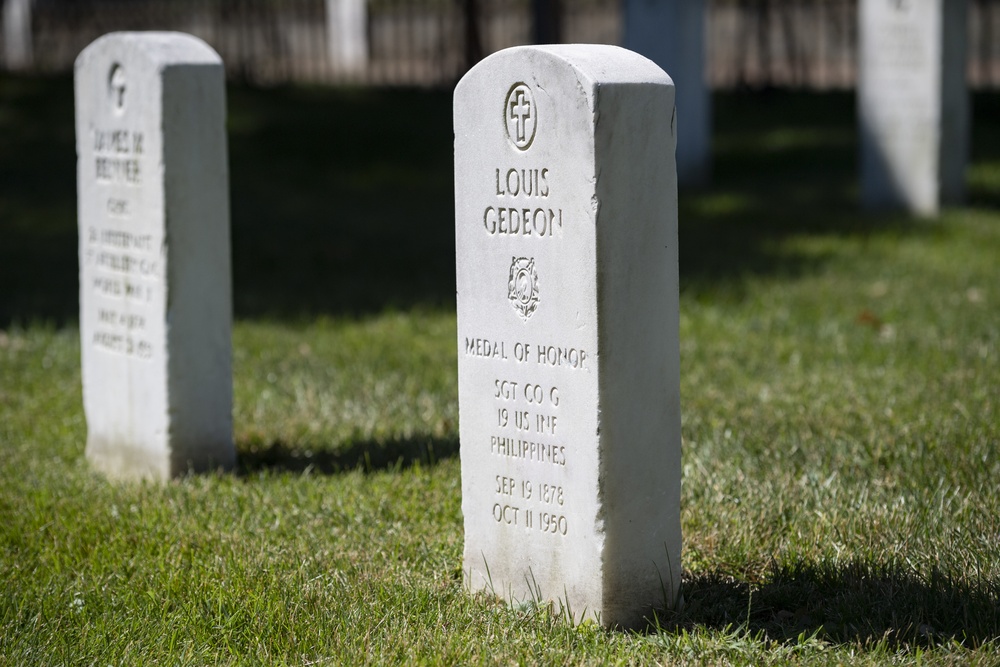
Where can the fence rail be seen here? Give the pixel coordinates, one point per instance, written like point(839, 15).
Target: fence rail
point(754, 43)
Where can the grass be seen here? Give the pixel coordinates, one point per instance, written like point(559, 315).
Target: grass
point(840, 375)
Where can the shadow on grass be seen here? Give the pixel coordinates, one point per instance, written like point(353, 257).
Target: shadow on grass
point(38, 240)
point(368, 456)
point(342, 199)
point(857, 603)
point(784, 165)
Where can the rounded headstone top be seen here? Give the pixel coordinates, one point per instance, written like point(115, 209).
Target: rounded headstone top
point(598, 63)
point(159, 49)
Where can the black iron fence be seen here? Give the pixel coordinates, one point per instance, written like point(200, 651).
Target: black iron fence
point(755, 43)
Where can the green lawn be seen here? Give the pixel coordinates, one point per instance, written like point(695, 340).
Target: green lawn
point(840, 383)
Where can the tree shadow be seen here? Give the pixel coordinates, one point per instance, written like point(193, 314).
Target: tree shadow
point(342, 198)
point(38, 239)
point(367, 456)
point(785, 165)
point(861, 602)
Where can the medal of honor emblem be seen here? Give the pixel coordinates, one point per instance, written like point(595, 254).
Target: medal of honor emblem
point(522, 286)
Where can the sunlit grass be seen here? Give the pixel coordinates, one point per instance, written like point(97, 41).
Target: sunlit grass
point(840, 378)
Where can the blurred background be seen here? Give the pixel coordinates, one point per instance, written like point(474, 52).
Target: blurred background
point(755, 43)
point(340, 140)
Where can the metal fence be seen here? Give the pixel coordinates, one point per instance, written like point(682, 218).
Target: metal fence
point(754, 43)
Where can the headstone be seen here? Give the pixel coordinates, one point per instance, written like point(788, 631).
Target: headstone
point(567, 268)
point(546, 21)
point(913, 104)
point(155, 295)
point(671, 33)
point(17, 41)
point(347, 32)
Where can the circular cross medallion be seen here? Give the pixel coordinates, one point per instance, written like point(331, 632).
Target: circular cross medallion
point(519, 114)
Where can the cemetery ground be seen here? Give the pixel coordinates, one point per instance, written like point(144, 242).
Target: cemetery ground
point(840, 377)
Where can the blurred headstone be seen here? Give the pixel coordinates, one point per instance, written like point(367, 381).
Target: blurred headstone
point(671, 33)
point(347, 33)
point(17, 42)
point(913, 104)
point(546, 21)
point(567, 269)
point(155, 295)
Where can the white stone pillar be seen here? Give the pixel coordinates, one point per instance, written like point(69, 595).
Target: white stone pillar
point(671, 33)
point(568, 372)
point(155, 294)
point(17, 42)
point(347, 34)
point(913, 104)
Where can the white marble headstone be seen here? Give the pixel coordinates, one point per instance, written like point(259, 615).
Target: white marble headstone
point(671, 33)
point(155, 289)
point(913, 103)
point(566, 230)
point(17, 42)
point(347, 33)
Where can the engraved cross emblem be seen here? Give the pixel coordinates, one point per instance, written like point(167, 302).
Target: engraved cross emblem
point(116, 84)
point(519, 112)
point(520, 116)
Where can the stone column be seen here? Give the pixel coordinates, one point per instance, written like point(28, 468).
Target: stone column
point(913, 104)
point(347, 33)
point(17, 42)
point(155, 294)
point(671, 33)
point(568, 372)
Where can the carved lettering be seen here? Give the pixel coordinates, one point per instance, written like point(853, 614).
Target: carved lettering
point(126, 240)
point(125, 263)
point(505, 514)
point(522, 182)
point(116, 157)
point(510, 221)
point(113, 170)
point(108, 286)
point(120, 142)
point(530, 450)
point(529, 492)
point(507, 220)
point(482, 347)
point(128, 266)
point(123, 344)
point(554, 355)
point(553, 523)
point(118, 208)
